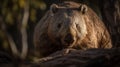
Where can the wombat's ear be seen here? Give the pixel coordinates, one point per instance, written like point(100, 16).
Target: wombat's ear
point(54, 8)
point(83, 9)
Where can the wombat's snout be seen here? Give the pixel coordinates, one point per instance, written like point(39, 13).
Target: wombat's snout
point(68, 39)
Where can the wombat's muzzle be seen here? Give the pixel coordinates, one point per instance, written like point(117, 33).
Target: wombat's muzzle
point(69, 39)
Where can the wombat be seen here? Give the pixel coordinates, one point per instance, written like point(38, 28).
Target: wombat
point(70, 25)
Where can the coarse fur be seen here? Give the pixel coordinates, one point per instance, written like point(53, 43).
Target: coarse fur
point(70, 24)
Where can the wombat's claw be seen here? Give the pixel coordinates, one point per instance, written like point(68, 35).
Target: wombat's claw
point(48, 58)
point(67, 51)
point(44, 59)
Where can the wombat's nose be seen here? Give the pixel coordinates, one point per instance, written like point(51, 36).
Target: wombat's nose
point(69, 39)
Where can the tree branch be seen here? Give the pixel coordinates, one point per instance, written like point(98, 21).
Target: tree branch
point(9, 38)
point(23, 30)
point(83, 58)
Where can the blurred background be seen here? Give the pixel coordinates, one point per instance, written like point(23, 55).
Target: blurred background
point(19, 17)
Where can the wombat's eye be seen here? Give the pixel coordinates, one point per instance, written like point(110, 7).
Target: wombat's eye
point(59, 25)
point(77, 25)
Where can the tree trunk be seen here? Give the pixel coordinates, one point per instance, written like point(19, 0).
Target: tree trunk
point(110, 10)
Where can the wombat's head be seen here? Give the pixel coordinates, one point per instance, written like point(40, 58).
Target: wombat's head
point(67, 25)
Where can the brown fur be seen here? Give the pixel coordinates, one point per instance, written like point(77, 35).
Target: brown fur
point(72, 25)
